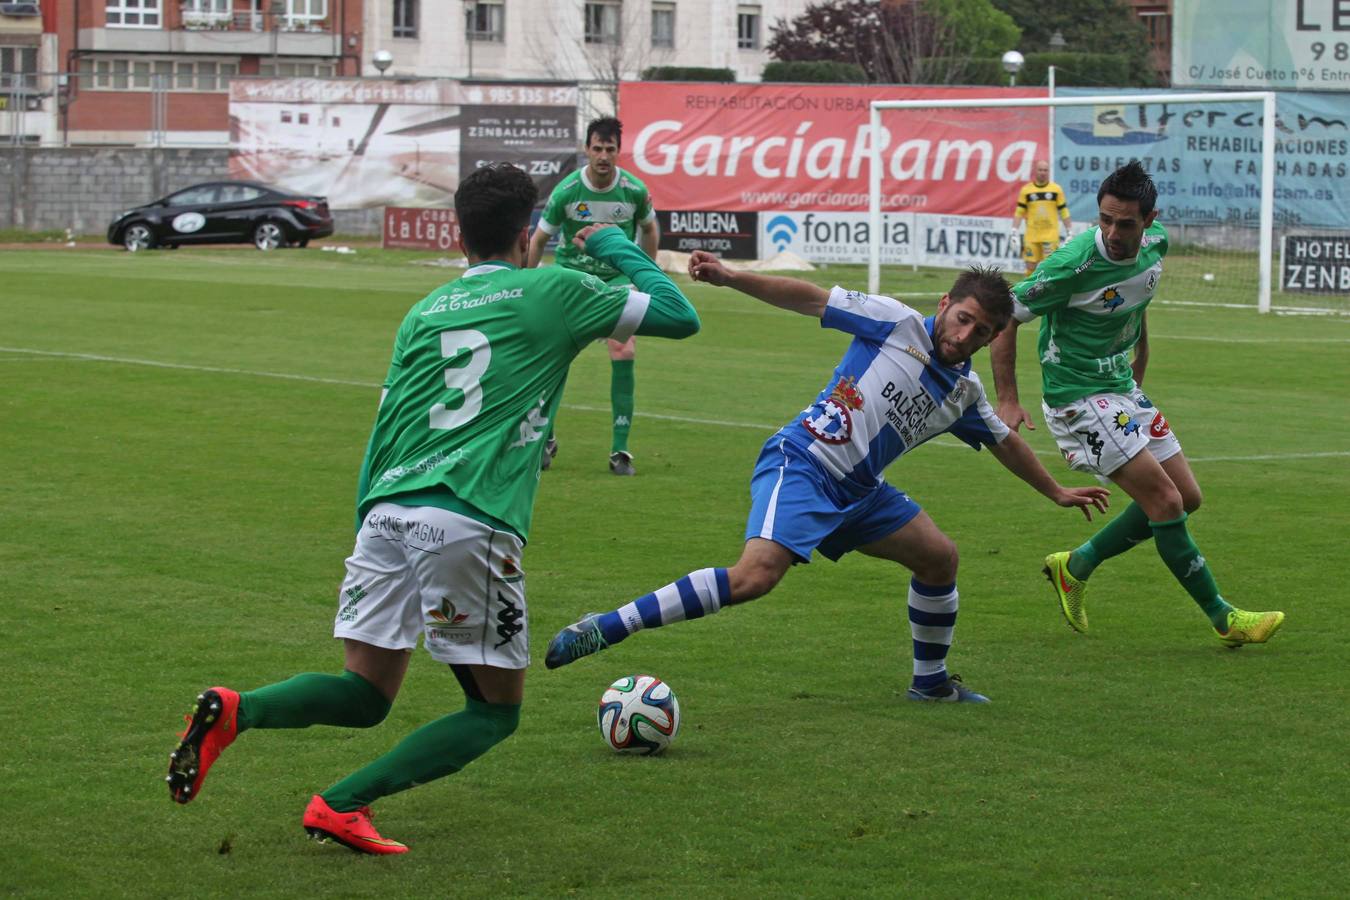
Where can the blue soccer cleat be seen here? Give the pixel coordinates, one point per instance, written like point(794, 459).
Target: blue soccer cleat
point(950, 691)
point(581, 638)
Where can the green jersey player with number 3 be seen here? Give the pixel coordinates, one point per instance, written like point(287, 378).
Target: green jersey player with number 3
point(1092, 295)
point(444, 504)
point(601, 192)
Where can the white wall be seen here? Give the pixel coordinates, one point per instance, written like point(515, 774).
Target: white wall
point(543, 39)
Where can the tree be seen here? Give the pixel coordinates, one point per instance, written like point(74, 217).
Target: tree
point(1087, 26)
point(897, 41)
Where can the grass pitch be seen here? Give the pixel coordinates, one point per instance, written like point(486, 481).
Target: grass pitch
point(181, 438)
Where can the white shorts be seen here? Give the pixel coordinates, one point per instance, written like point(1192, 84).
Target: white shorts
point(1103, 432)
point(421, 570)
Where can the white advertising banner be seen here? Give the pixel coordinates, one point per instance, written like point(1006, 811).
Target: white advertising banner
point(925, 239)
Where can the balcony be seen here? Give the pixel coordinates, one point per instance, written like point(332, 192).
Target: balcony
point(213, 33)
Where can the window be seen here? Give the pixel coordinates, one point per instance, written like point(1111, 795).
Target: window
point(206, 13)
point(238, 193)
point(602, 23)
point(663, 24)
point(18, 67)
point(139, 74)
point(133, 13)
point(193, 196)
point(747, 27)
point(297, 70)
point(487, 21)
point(306, 14)
point(405, 18)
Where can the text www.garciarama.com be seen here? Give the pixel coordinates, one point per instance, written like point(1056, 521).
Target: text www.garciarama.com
point(797, 199)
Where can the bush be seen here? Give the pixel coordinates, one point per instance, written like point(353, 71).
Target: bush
point(815, 70)
point(687, 73)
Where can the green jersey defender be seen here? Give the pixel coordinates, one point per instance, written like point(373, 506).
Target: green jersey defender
point(478, 370)
point(1092, 310)
point(576, 203)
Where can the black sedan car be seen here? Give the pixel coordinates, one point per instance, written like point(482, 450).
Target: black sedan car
point(224, 212)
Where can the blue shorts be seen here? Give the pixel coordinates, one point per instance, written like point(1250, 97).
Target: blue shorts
point(793, 502)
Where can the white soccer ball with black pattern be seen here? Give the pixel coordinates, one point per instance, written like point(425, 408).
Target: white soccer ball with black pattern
point(639, 714)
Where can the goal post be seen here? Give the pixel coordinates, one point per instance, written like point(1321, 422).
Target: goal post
point(1266, 221)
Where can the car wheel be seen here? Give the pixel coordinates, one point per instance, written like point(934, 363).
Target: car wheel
point(268, 236)
point(138, 236)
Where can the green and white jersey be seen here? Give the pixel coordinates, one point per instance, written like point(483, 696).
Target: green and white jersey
point(1092, 308)
point(476, 376)
point(576, 203)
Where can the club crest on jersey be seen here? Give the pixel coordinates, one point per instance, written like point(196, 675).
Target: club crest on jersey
point(583, 210)
point(1152, 281)
point(832, 420)
point(1111, 299)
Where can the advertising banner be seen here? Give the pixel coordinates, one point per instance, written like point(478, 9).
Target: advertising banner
point(377, 142)
point(1315, 264)
point(1206, 157)
point(906, 239)
point(1281, 44)
point(732, 235)
point(407, 228)
point(806, 147)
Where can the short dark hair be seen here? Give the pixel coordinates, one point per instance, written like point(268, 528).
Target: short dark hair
point(987, 285)
point(1130, 182)
point(606, 127)
point(492, 205)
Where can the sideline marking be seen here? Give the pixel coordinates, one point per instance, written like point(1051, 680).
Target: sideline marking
point(688, 420)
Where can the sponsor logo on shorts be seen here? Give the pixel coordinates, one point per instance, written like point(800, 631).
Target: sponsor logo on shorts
point(1124, 422)
point(451, 635)
point(349, 608)
point(508, 620)
point(1159, 427)
point(1093, 441)
point(508, 571)
point(447, 614)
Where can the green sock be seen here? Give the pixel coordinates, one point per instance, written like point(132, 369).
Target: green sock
point(433, 751)
point(621, 389)
point(312, 699)
point(1181, 555)
point(1115, 537)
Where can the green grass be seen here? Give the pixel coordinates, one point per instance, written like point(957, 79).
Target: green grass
point(177, 515)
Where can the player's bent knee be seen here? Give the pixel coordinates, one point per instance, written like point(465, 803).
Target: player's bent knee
point(940, 566)
point(1192, 500)
point(751, 581)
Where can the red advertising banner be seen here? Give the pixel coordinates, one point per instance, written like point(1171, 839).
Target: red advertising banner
point(407, 228)
point(785, 147)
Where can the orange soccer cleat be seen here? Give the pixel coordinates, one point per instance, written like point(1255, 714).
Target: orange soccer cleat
point(212, 727)
point(350, 829)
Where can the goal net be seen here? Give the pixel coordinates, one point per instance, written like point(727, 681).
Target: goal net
point(1236, 239)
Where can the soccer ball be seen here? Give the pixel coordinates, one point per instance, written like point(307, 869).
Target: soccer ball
point(639, 714)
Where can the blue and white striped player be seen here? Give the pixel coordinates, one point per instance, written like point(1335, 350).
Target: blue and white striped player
point(818, 484)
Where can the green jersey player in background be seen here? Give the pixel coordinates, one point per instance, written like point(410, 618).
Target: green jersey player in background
point(601, 192)
point(444, 503)
point(1092, 295)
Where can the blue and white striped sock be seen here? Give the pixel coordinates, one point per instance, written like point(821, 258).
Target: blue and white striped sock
point(932, 619)
point(692, 597)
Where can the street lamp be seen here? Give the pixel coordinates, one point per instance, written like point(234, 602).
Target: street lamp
point(1012, 64)
point(381, 60)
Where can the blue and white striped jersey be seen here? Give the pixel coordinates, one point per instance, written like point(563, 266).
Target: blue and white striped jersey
point(888, 395)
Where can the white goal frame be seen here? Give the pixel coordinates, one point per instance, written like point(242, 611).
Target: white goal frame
point(1267, 98)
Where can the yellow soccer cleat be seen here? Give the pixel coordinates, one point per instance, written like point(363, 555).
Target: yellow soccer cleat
point(1250, 627)
point(1068, 589)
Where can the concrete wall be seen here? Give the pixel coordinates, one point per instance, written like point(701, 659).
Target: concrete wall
point(83, 188)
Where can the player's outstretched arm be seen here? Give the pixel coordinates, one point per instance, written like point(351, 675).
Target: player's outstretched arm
point(669, 313)
point(787, 293)
point(1003, 358)
point(1017, 457)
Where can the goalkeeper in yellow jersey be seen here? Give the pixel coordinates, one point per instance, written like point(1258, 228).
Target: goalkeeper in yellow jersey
point(1042, 204)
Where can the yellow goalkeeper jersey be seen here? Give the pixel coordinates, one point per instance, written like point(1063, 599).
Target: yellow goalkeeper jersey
point(1042, 206)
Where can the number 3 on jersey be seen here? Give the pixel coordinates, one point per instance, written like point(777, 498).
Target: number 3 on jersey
point(463, 379)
